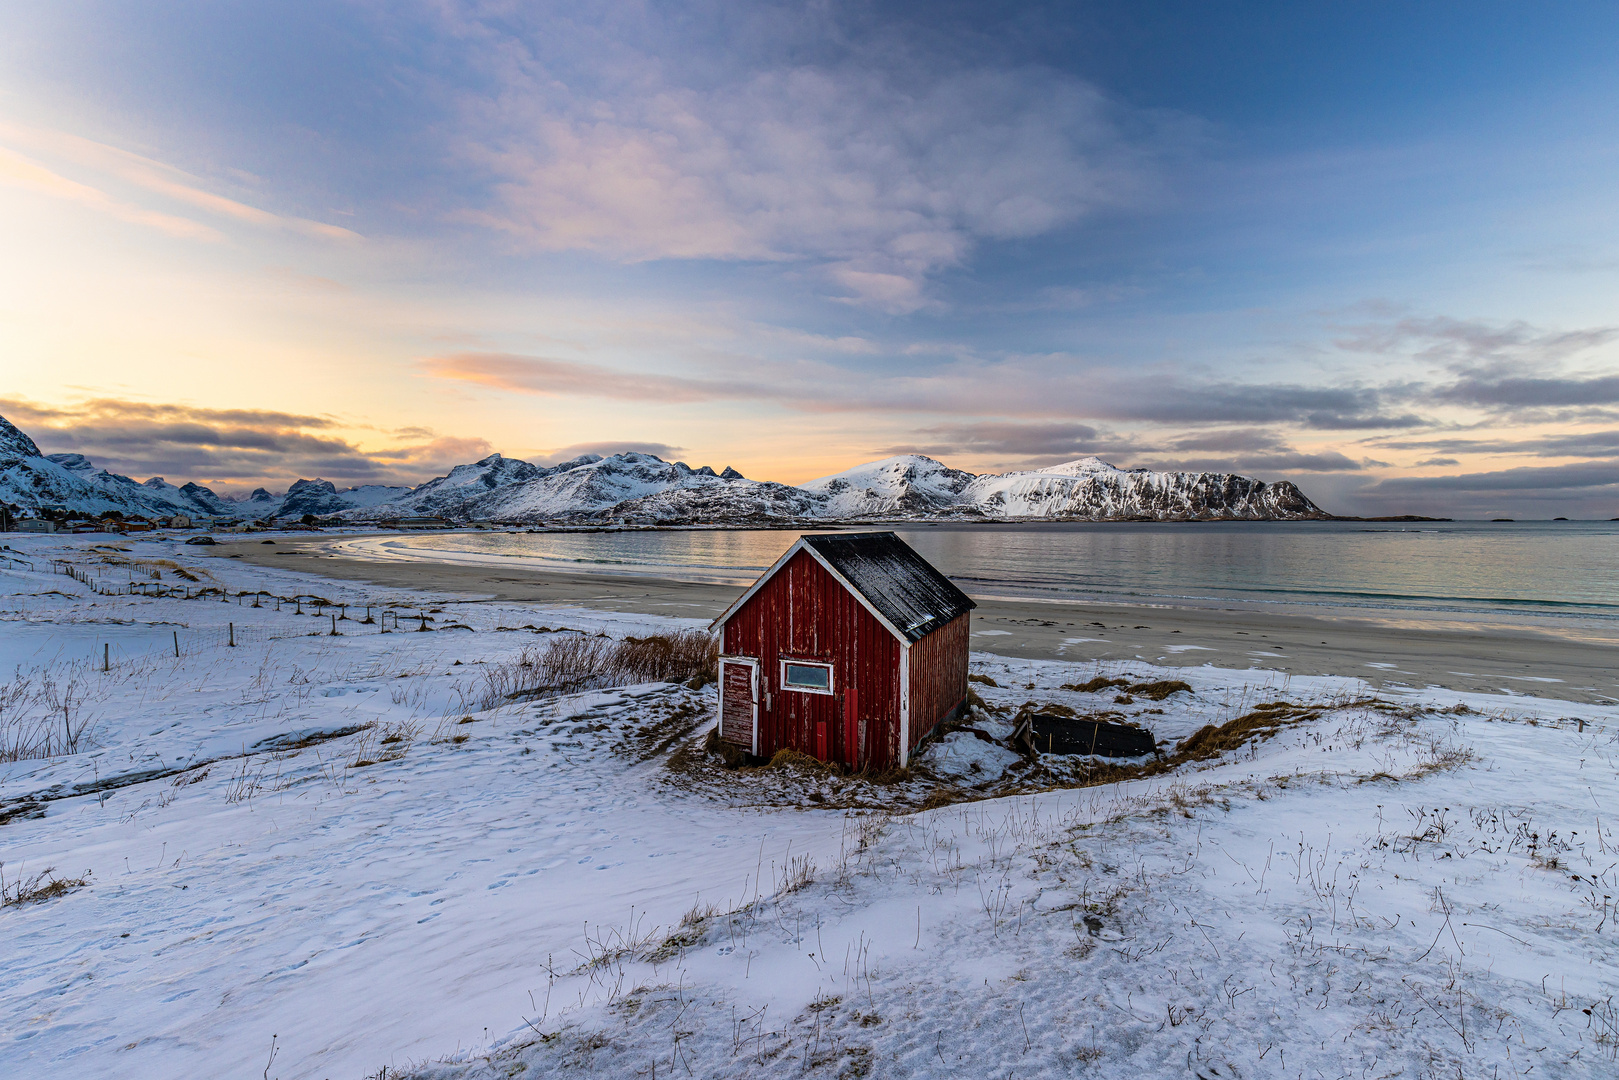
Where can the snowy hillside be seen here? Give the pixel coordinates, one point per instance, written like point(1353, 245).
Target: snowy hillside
point(320, 854)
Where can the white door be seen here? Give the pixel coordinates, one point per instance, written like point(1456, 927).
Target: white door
point(739, 701)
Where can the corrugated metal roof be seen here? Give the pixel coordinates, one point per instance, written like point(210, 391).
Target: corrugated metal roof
point(894, 579)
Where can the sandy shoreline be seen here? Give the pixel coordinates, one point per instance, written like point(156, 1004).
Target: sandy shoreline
point(1485, 661)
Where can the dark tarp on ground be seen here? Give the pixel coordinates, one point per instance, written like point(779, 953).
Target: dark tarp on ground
point(1050, 733)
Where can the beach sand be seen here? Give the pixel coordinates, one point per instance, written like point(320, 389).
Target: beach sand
point(1487, 660)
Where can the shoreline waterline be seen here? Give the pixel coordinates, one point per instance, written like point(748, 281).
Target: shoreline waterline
point(1560, 660)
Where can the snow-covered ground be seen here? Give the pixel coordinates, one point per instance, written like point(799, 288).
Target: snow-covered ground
point(319, 856)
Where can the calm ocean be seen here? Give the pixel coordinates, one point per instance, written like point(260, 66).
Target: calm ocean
point(1559, 575)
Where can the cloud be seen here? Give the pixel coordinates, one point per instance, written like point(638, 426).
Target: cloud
point(1474, 344)
point(109, 163)
point(881, 170)
point(1574, 444)
point(1518, 393)
point(562, 378)
point(20, 171)
point(1031, 387)
point(1050, 443)
point(1552, 478)
point(1286, 461)
point(1438, 461)
point(235, 448)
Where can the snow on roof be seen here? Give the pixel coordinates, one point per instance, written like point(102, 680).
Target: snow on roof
point(913, 596)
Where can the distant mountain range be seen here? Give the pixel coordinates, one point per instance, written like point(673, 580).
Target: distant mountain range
point(641, 489)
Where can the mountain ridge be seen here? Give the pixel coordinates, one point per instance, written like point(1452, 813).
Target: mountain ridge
point(642, 489)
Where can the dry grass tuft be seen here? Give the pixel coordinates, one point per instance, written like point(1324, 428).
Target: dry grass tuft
point(1158, 691)
point(1101, 682)
point(1211, 741)
point(43, 886)
point(569, 664)
point(794, 759)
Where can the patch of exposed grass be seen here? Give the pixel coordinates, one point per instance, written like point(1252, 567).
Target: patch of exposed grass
point(1100, 683)
point(1158, 691)
point(43, 886)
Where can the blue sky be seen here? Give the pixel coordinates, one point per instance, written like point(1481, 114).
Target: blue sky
point(1371, 248)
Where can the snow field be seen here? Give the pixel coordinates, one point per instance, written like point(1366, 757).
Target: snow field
point(1390, 890)
point(1304, 913)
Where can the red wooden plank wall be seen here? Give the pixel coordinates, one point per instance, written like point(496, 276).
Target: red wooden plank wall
point(938, 675)
point(804, 613)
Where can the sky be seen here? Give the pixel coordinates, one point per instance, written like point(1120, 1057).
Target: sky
point(1371, 248)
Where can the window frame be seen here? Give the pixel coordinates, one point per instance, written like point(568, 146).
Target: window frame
point(831, 677)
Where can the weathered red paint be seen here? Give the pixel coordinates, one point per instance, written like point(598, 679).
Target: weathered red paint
point(804, 612)
point(938, 675)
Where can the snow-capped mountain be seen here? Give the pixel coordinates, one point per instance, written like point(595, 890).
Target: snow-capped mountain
point(643, 489)
point(639, 488)
point(449, 493)
point(32, 481)
point(902, 486)
point(1088, 489)
point(632, 488)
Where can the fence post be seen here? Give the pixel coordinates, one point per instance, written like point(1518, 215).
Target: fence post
point(334, 626)
point(232, 632)
point(177, 644)
point(106, 651)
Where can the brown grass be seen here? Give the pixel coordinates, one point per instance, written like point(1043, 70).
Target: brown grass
point(1158, 691)
point(985, 680)
point(795, 759)
point(43, 886)
point(1210, 741)
point(569, 664)
point(1099, 683)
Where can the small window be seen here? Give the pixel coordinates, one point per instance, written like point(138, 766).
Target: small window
point(806, 677)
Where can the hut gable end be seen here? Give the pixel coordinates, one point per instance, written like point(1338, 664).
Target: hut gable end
point(888, 631)
point(903, 587)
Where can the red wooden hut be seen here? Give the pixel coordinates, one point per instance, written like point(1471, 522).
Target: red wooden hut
point(850, 649)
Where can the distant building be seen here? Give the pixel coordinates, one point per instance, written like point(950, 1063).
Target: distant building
point(35, 525)
point(850, 649)
point(180, 521)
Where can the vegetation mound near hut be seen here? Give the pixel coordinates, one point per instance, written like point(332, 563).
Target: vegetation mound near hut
point(1101, 682)
point(1158, 691)
point(788, 758)
point(1152, 691)
point(1211, 741)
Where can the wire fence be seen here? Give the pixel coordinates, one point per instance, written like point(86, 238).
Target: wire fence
point(325, 617)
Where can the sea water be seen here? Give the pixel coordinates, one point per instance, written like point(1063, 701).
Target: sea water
point(1556, 574)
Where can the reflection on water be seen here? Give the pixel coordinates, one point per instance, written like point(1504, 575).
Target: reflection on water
point(1431, 573)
